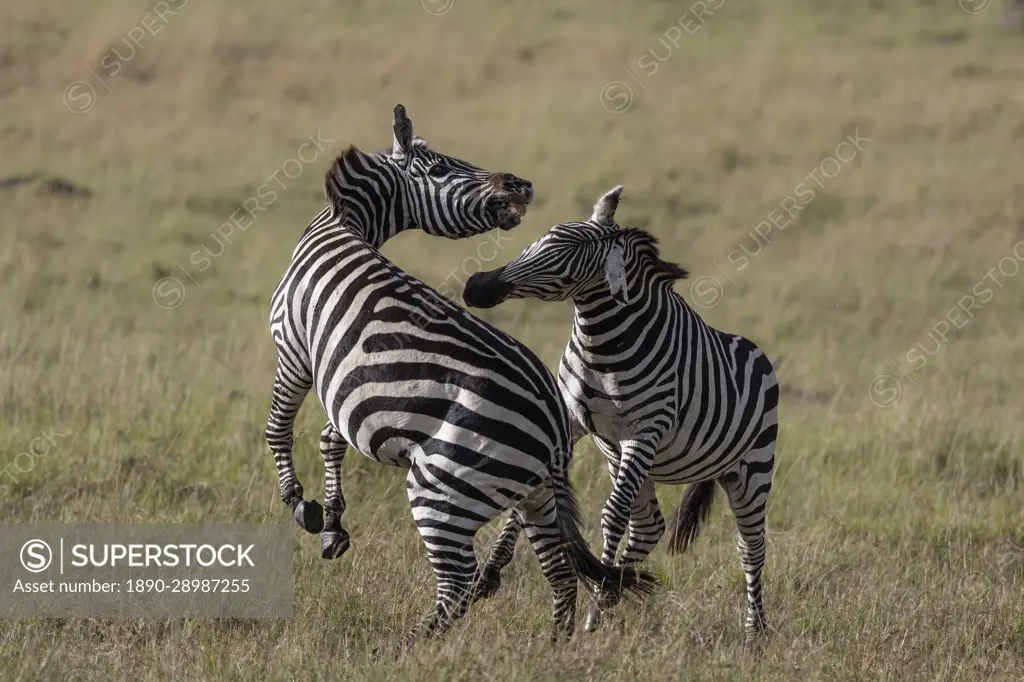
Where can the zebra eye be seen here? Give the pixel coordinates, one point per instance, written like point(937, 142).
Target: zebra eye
point(437, 170)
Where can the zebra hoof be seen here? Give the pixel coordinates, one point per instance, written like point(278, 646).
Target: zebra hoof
point(560, 634)
point(755, 647)
point(334, 543)
point(489, 584)
point(309, 515)
point(593, 621)
point(755, 640)
point(385, 654)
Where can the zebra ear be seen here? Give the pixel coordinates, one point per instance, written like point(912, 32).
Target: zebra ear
point(403, 134)
point(615, 274)
point(604, 209)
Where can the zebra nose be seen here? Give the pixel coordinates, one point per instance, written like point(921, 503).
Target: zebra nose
point(485, 289)
point(511, 183)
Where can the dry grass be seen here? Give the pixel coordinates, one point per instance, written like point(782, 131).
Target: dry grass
point(895, 533)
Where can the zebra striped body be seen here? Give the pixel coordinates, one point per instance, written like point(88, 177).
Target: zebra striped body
point(410, 379)
point(665, 397)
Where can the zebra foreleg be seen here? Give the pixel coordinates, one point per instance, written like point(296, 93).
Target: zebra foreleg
point(646, 528)
point(334, 540)
point(290, 389)
point(630, 475)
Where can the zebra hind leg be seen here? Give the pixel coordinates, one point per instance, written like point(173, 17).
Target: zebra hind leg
point(334, 540)
point(539, 519)
point(289, 391)
point(747, 487)
point(502, 552)
point(448, 535)
point(504, 546)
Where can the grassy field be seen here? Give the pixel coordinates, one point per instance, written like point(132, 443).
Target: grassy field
point(883, 275)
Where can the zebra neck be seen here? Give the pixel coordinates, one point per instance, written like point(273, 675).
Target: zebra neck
point(373, 232)
point(605, 328)
point(368, 198)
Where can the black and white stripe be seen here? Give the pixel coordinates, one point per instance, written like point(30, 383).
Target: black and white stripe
point(666, 398)
point(411, 379)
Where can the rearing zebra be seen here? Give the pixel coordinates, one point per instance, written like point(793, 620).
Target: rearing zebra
point(666, 397)
point(411, 379)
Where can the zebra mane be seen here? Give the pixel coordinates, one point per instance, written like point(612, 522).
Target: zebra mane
point(335, 177)
point(648, 244)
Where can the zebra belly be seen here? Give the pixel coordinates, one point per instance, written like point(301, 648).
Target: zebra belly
point(674, 466)
point(401, 436)
point(696, 464)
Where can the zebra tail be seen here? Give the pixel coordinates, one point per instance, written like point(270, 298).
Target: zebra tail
point(613, 581)
point(694, 509)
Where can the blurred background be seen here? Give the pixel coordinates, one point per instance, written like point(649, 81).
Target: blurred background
point(843, 180)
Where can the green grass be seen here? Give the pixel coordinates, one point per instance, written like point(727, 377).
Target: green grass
point(895, 533)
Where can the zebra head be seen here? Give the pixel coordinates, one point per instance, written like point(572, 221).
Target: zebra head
point(410, 185)
point(580, 260)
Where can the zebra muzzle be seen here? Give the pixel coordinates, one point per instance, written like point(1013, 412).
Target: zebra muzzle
point(486, 290)
point(506, 214)
point(508, 204)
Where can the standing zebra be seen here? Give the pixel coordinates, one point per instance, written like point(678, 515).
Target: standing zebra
point(666, 397)
point(411, 379)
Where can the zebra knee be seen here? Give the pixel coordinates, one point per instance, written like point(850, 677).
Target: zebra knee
point(751, 548)
point(752, 562)
point(647, 531)
point(279, 436)
point(613, 518)
point(331, 443)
